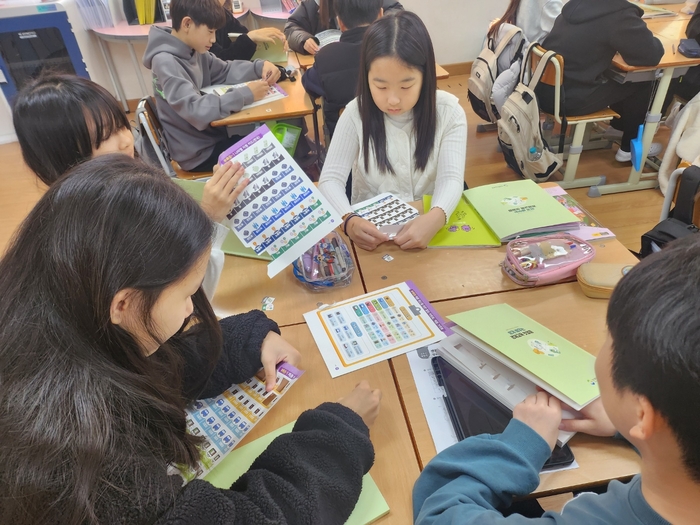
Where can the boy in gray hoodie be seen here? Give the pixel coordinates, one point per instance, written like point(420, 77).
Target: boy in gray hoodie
point(647, 372)
point(182, 65)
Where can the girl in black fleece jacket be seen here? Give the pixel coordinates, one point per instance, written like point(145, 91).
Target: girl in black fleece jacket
point(96, 370)
point(588, 34)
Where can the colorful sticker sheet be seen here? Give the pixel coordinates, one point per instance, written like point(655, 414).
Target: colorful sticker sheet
point(226, 419)
point(385, 210)
point(280, 212)
point(373, 327)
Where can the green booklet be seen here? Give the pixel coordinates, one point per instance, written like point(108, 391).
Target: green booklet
point(370, 507)
point(521, 207)
point(464, 229)
point(544, 357)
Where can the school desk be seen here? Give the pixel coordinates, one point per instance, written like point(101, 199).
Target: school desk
point(672, 64)
point(564, 309)
point(297, 104)
point(244, 283)
point(123, 33)
point(306, 61)
point(450, 273)
point(395, 467)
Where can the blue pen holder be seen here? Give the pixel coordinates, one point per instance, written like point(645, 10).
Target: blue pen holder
point(327, 265)
point(636, 149)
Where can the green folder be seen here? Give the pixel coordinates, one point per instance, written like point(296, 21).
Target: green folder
point(465, 229)
point(541, 352)
point(370, 507)
point(272, 52)
point(520, 208)
point(232, 244)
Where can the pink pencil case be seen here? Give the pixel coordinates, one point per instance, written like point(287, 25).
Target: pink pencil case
point(548, 259)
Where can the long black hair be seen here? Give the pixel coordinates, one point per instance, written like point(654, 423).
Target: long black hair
point(60, 120)
point(401, 35)
point(507, 18)
point(78, 395)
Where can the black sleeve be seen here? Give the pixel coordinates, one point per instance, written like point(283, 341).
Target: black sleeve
point(631, 37)
point(301, 25)
point(311, 475)
point(311, 81)
point(391, 5)
point(242, 49)
point(242, 335)
point(693, 28)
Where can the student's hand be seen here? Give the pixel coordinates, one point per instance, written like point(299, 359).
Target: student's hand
point(270, 73)
point(222, 190)
point(364, 401)
point(542, 413)
point(594, 421)
point(310, 46)
point(420, 231)
point(273, 351)
point(259, 88)
point(266, 35)
point(365, 234)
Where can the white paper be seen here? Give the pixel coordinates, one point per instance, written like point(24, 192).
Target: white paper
point(280, 212)
point(274, 92)
point(374, 327)
point(385, 210)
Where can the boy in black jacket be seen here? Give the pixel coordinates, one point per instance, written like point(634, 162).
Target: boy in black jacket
point(337, 66)
point(588, 34)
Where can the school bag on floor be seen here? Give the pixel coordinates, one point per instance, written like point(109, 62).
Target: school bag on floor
point(679, 223)
point(484, 73)
point(520, 132)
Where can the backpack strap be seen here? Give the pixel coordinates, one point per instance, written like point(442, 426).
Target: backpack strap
point(539, 70)
point(506, 40)
point(687, 191)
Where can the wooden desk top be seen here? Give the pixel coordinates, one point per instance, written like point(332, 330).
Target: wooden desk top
point(566, 310)
point(395, 468)
point(669, 31)
point(297, 104)
point(451, 273)
point(244, 283)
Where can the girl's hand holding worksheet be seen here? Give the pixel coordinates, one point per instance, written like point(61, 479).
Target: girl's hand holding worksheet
point(420, 231)
point(273, 351)
point(222, 190)
point(365, 234)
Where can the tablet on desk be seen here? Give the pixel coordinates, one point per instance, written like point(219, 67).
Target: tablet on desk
point(474, 412)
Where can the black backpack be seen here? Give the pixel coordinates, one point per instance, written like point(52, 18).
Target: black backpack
point(680, 219)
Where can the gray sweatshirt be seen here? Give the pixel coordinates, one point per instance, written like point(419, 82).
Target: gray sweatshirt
point(184, 112)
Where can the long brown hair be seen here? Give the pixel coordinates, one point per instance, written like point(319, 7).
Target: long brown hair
point(80, 402)
point(326, 13)
point(507, 18)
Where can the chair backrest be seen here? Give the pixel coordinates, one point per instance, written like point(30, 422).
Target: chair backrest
point(153, 131)
point(553, 75)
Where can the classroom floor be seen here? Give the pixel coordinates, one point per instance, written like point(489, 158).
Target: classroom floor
point(629, 214)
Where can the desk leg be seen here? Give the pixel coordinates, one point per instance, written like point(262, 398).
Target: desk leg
point(137, 68)
point(113, 74)
point(634, 181)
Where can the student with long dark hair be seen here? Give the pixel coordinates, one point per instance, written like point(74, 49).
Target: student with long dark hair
point(314, 16)
point(64, 120)
point(96, 369)
point(400, 135)
point(534, 17)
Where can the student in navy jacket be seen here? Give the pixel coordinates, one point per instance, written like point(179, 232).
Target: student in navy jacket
point(337, 66)
point(588, 34)
point(314, 16)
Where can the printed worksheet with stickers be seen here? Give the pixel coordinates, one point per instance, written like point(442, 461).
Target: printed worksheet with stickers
point(280, 212)
point(373, 327)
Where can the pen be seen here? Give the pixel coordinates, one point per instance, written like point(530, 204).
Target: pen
point(673, 47)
